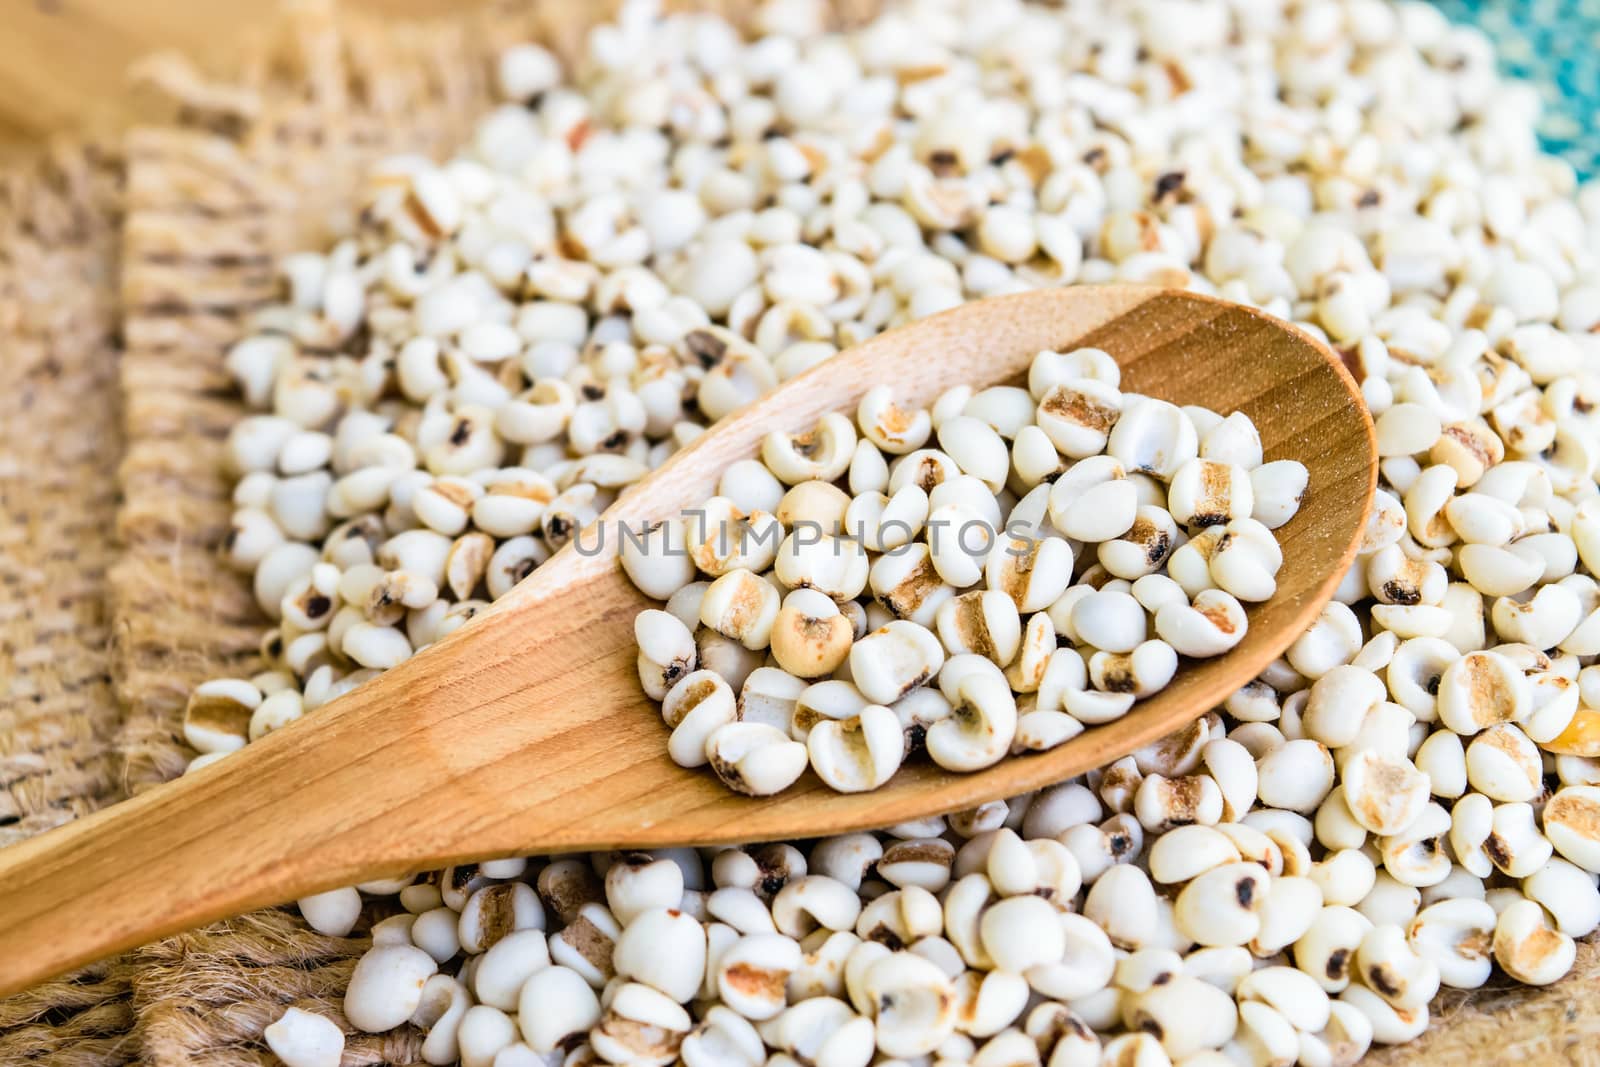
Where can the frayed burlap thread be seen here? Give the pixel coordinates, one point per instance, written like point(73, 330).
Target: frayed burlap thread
point(59, 443)
point(242, 172)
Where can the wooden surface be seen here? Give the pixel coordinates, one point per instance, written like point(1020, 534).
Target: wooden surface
point(528, 732)
point(64, 62)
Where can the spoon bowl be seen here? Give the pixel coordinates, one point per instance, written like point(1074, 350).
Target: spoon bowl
point(528, 732)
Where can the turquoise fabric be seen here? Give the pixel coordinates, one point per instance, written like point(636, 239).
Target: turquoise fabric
point(1555, 45)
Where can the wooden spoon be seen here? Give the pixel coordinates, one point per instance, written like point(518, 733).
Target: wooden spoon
point(527, 731)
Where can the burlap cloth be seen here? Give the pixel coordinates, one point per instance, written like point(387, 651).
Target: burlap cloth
point(59, 444)
point(112, 602)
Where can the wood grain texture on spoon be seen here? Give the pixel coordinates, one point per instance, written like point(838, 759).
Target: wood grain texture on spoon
point(528, 732)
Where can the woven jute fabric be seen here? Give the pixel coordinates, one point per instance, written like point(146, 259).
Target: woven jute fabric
point(234, 174)
point(58, 403)
point(59, 444)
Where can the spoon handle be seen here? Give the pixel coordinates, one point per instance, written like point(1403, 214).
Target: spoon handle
point(240, 834)
point(481, 746)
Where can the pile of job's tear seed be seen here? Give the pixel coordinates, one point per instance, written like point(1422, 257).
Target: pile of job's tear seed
point(632, 248)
